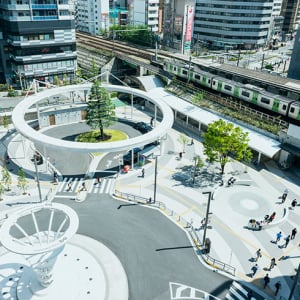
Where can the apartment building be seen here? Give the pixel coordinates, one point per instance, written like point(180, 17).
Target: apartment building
point(37, 41)
point(241, 24)
point(92, 16)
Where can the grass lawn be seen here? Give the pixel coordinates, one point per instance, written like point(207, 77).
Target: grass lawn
point(93, 136)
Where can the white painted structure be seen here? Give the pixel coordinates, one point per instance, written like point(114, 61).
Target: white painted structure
point(40, 244)
point(38, 137)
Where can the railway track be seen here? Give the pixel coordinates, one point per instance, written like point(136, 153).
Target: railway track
point(117, 47)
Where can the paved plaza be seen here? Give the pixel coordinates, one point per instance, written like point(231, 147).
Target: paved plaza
point(232, 242)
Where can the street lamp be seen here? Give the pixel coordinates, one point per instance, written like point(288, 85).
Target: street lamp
point(155, 180)
point(210, 197)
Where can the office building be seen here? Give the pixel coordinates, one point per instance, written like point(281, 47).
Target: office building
point(241, 24)
point(38, 41)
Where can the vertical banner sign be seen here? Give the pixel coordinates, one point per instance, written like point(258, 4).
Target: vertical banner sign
point(189, 28)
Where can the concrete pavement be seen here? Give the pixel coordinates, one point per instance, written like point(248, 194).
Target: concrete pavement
point(231, 208)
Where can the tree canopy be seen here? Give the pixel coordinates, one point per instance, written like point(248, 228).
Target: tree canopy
point(100, 110)
point(223, 140)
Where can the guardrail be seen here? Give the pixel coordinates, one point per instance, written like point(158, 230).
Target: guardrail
point(188, 225)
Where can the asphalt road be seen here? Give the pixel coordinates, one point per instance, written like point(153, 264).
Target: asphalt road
point(152, 249)
point(77, 164)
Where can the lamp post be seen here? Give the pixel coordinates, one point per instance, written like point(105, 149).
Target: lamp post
point(210, 196)
point(294, 283)
point(155, 180)
point(37, 178)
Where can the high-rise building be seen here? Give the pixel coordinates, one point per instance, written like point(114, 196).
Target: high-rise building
point(178, 23)
point(290, 11)
point(92, 16)
point(144, 12)
point(224, 23)
point(38, 41)
point(294, 68)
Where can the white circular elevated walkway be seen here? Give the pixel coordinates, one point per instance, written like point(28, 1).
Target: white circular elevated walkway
point(36, 136)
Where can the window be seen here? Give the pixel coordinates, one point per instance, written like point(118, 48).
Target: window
point(245, 94)
point(283, 107)
point(228, 87)
point(292, 110)
point(197, 77)
point(184, 72)
point(265, 100)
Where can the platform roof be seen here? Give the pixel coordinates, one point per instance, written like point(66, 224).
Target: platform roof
point(258, 142)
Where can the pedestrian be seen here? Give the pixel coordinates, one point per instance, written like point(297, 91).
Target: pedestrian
point(273, 263)
point(83, 186)
point(272, 217)
point(180, 155)
point(278, 237)
point(254, 269)
point(287, 240)
point(143, 172)
point(284, 195)
point(266, 280)
point(99, 180)
point(277, 287)
point(151, 121)
point(149, 200)
point(294, 203)
point(294, 231)
point(249, 295)
point(69, 186)
point(192, 141)
point(258, 254)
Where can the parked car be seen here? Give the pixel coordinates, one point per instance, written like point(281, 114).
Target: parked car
point(127, 158)
point(142, 127)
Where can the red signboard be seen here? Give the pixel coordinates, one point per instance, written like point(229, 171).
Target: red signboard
point(189, 23)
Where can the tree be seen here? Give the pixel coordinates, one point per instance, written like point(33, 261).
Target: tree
point(222, 140)
point(6, 177)
point(5, 121)
point(100, 111)
point(22, 181)
point(183, 139)
point(1, 190)
point(94, 69)
point(198, 164)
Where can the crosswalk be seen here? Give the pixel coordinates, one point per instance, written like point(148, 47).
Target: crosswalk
point(72, 185)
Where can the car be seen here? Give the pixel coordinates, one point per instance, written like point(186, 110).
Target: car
point(142, 127)
point(127, 158)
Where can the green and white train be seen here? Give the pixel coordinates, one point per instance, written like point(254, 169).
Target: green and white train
point(246, 92)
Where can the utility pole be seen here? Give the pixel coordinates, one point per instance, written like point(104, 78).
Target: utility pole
point(294, 283)
point(207, 212)
point(155, 180)
point(37, 178)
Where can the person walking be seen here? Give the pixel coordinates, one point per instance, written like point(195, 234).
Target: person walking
point(287, 240)
point(294, 232)
point(294, 203)
point(277, 287)
point(266, 280)
point(69, 186)
point(99, 180)
point(278, 237)
point(249, 295)
point(83, 186)
point(272, 264)
point(258, 254)
point(143, 172)
point(284, 195)
point(254, 270)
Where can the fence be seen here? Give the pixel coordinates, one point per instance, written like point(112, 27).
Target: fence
point(188, 225)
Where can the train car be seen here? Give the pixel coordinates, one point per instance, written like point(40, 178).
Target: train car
point(294, 111)
point(225, 86)
point(202, 78)
point(246, 92)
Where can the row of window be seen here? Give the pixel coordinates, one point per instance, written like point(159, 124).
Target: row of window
point(244, 22)
point(48, 65)
point(231, 14)
point(222, 28)
point(33, 37)
point(42, 50)
point(235, 7)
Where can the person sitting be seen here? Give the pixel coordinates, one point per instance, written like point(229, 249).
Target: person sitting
point(272, 217)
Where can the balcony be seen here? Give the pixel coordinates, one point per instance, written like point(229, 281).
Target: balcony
point(43, 6)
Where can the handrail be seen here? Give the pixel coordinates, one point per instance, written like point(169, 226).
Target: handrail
point(186, 224)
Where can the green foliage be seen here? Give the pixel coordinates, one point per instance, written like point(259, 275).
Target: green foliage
point(183, 139)
point(6, 178)
point(222, 140)
point(94, 69)
point(140, 35)
point(198, 98)
point(56, 80)
point(5, 121)
point(22, 181)
point(66, 80)
point(11, 92)
point(4, 87)
point(1, 190)
point(101, 110)
point(93, 136)
point(269, 67)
